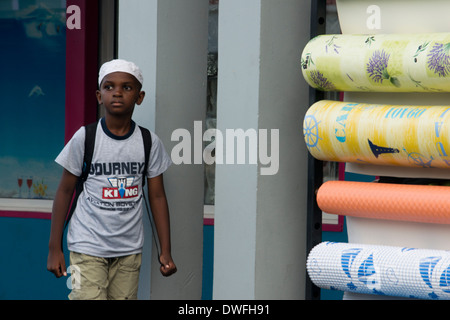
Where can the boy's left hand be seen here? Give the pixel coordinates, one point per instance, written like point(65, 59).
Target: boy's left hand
point(168, 267)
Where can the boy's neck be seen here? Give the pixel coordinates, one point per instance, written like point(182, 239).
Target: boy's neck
point(118, 126)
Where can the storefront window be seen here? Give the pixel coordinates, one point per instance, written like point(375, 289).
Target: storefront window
point(32, 86)
point(211, 105)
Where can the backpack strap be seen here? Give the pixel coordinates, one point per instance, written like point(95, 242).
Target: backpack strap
point(89, 143)
point(146, 136)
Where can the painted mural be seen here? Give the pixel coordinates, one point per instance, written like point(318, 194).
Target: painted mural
point(32, 86)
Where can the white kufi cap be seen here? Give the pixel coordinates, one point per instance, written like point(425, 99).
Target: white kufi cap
point(120, 65)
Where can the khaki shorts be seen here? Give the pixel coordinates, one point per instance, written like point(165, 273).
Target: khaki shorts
point(95, 278)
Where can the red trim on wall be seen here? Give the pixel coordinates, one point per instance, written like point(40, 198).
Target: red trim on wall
point(82, 68)
point(339, 227)
point(20, 214)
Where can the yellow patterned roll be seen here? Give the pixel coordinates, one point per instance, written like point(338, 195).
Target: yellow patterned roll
point(414, 136)
point(378, 63)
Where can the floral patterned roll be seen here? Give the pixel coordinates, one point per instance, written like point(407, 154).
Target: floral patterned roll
point(378, 63)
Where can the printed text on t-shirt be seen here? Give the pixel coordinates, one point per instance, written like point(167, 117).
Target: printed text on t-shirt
point(117, 168)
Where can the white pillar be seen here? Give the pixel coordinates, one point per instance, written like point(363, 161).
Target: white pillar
point(168, 40)
point(260, 220)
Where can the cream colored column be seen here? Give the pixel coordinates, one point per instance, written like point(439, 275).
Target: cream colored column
point(260, 219)
point(168, 40)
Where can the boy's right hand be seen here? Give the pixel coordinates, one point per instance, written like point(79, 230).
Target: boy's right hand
point(56, 263)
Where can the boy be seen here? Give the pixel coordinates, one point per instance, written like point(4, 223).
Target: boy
point(105, 235)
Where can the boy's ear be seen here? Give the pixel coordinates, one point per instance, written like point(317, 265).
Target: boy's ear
point(99, 97)
point(140, 97)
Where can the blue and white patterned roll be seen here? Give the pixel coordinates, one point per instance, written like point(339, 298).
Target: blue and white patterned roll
point(381, 270)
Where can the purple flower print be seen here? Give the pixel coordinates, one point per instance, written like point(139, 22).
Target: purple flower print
point(321, 82)
point(330, 43)
point(377, 68)
point(439, 59)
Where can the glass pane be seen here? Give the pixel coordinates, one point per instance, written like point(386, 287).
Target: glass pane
point(32, 64)
point(211, 106)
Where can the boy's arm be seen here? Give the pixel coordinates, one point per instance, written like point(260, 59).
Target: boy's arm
point(63, 197)
point(160, 211)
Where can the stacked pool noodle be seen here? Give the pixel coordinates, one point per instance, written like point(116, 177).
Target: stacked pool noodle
point(382, 262)
point(381, 270)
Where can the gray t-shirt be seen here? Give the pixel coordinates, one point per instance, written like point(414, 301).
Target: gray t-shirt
point(107, 221)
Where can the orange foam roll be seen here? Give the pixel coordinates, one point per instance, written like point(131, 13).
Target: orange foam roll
point(417, 203)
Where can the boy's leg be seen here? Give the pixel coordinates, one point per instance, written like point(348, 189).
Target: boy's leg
point(124, 277)
point(92, 281)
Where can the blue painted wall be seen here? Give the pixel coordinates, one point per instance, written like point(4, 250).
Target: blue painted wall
point(208, 262)
point(23, 262)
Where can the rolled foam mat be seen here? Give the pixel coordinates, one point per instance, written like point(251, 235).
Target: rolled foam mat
point(381, 270)
point(415, 136)
point(386, 201)
point(378, 63)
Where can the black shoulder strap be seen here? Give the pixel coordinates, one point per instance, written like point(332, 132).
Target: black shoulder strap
point(89, 143)
point(146, 136)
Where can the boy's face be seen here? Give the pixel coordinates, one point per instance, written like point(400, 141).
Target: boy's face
point(119, 92)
